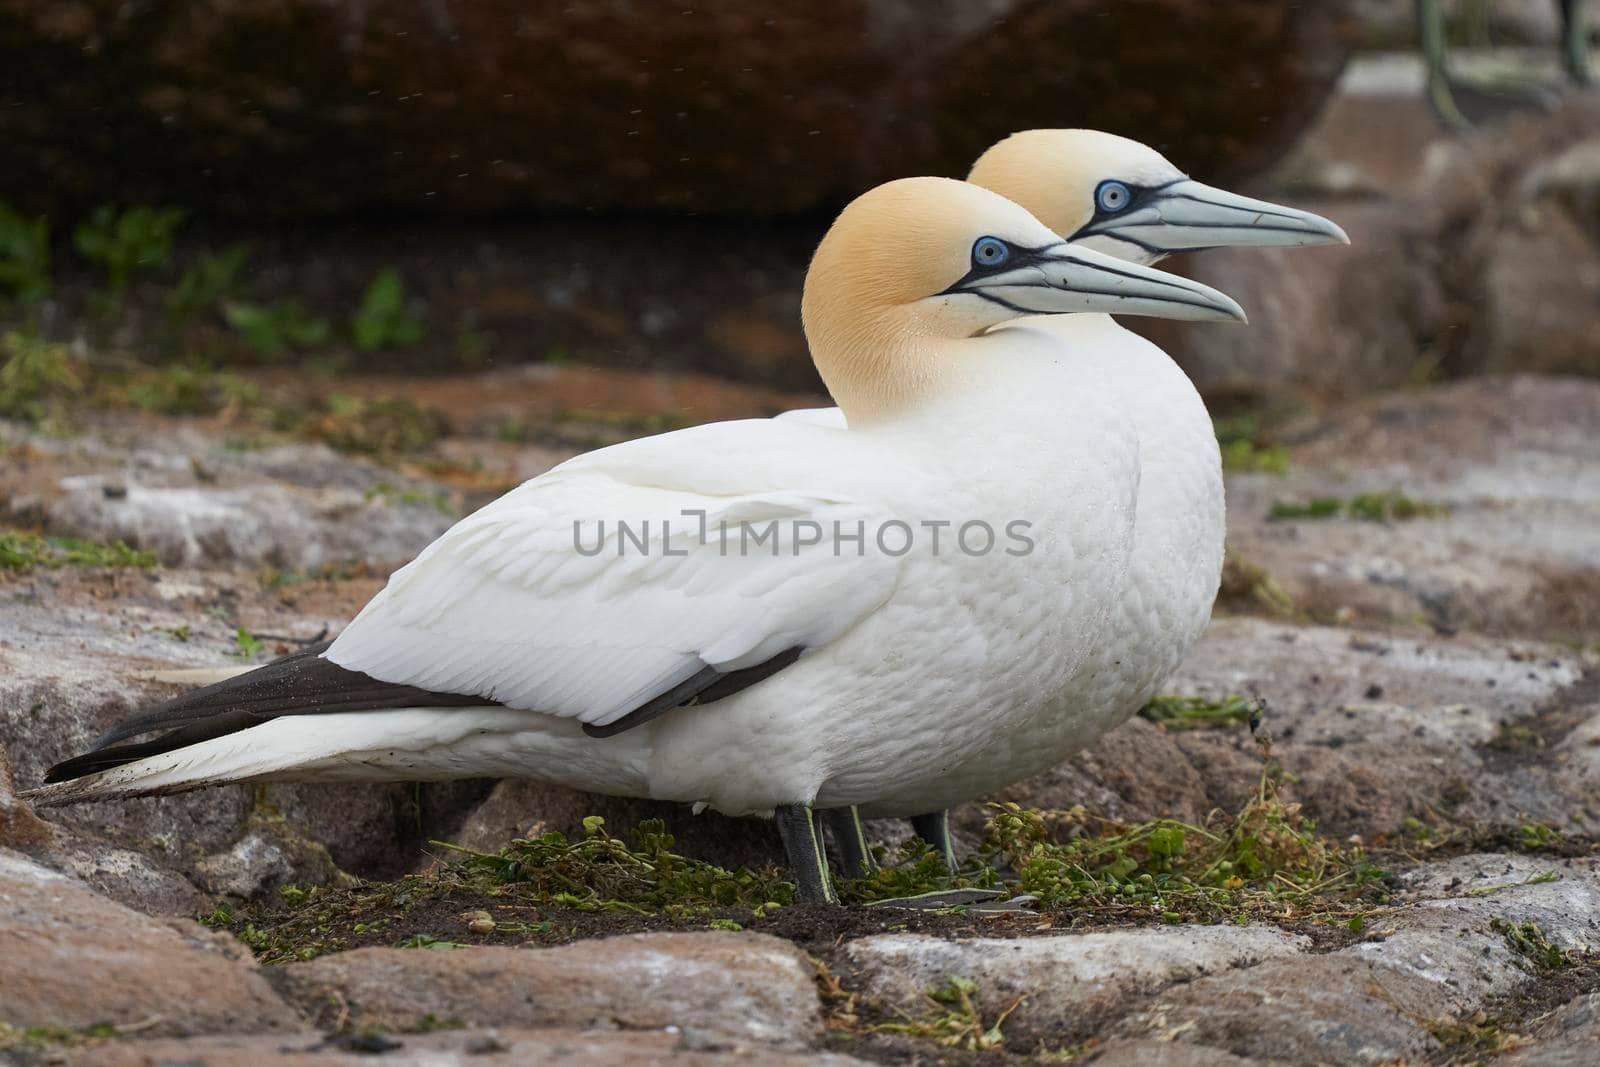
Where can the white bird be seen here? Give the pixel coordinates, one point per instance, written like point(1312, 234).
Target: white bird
point(1119, 196)
point(679, 661)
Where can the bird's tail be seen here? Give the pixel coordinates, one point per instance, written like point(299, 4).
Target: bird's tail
point(400, 744)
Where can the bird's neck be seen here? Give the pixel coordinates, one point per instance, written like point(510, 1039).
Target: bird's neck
point(881, 366)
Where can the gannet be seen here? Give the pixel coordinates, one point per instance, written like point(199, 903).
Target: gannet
point(842, 665)
point(1121, 197)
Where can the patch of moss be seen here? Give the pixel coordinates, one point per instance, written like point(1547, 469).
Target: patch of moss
point(1529, 941)
point(601, 872)
point(353, 424)
point(23, 551)
point(39, 1040)
point(1244, 449)
point(1390, 506)
point(1265, 861)
point(397, 496)
point(1248, 586)
point(188, 389)
point(35, 375)
point(1198, 713)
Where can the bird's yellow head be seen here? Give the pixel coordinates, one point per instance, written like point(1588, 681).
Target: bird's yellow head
point(917, 265)
point(1125, 199)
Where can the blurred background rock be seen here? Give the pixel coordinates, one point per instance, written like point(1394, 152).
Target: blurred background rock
point(605, 184)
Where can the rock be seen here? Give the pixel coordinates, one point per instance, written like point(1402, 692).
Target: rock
point(1566, 1037)
point(1375, 728)
point(500, 1047)
point(1058, 979)
point(1379, 1000)
point(739, 987)
point(75, 960)
point(1121, 1052)
point(623, 109)
point(258, 524)
point(1364, 764)
point(1470, 254)
point(1338, 321)
point(1513, 461)
point(1326, 1009)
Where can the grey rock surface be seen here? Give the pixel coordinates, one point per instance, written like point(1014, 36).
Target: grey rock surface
point(1058, 978)
point(74, 959)
point(738, 987)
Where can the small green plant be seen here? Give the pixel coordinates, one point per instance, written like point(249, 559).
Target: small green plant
point(23, 551)
point(1197, 713)
point(121, 242)
point(1529, 941)
point(274, 331)
point(383, 320)
point(34, 374)
point(1243, 449)
point(247, 645)
point(1539, 837)
point(180, 633)
point(206, 284)
point(1391, 506)
point(191, 389)
point(428, 941)
point(24, 255)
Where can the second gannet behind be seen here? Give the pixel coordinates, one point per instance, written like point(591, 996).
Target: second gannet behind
point(834, 654)
point(1121, 197)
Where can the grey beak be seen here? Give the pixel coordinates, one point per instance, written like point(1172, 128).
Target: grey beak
point(1187, 215)
point(1066, 278)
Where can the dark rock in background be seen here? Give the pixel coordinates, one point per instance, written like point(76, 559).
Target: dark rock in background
point(296, 108)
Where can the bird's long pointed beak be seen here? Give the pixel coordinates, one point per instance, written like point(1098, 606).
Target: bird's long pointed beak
point(1066, 278)
point(1187, 215)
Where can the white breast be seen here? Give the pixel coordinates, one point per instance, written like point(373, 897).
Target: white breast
point(1174, 567)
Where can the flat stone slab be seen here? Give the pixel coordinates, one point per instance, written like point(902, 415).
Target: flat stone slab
point(1059, 976)
point(506, 1047)
point(1382, 1000)
point(734, 986)
point(74, 959)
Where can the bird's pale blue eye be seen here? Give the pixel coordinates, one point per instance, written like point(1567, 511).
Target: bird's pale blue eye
point(1112, 197)
point(990, 252)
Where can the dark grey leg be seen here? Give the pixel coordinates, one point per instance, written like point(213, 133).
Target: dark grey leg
point(934, 828)
point(807, 861)
point(850, 842)
point(1430, 25)
point(1575, 40)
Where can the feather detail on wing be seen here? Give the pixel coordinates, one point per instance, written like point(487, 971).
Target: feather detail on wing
point(594, 589)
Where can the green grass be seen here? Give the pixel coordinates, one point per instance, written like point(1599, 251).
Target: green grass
point(1264, 863)
point(383, 320)
point(1197, 713)
point(276, 330)
point(952, 1019)
point(121, 242)
point(395, 496)
point(35, 375)
point(598, 872)
point(24, 255)
point(1244, 450)
point(23, 551)
point(1390, 506)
